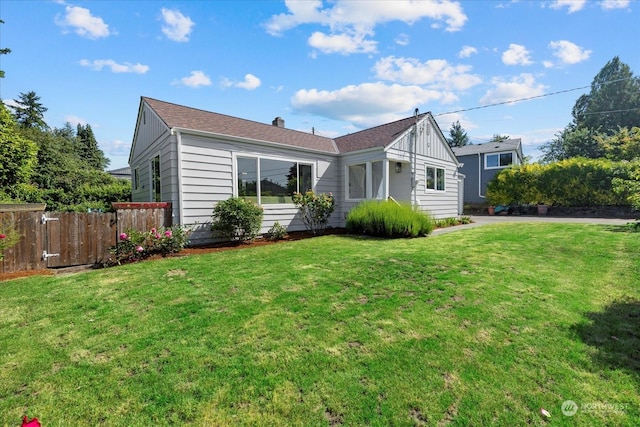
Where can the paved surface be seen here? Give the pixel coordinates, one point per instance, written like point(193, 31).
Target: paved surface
point(481, 220)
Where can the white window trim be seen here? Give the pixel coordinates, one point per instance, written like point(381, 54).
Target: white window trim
point(497, 153)
point(151, 180)
point(368, 180)
point(234, 171)
point(435, 178)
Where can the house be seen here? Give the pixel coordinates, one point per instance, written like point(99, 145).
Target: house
point(481, 162)
point(194, 159)
point(121, 173)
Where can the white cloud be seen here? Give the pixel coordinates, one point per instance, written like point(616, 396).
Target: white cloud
point(177, 27)
point(614, 4)
point(351, 22)
point(518, 87)
point(467, 51)
point(75, 120)
point(569, 53)
point(402, 39)
point(250, 82)
point(435, 72)
point(196, 79)
point(367, 104)
point(516, 55)
point(83, 23)
point(116, 147)
point(342, 43)
point(99, 64)
point(571, 5)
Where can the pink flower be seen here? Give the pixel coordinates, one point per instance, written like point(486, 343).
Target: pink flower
point(123, 236)
point(2, 235)
point(158, 235)
point(139, 248)
point(153, 231)
point(167, 233)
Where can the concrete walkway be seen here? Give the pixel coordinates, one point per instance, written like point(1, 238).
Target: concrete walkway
point(481, 220)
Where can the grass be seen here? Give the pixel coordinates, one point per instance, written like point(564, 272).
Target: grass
point(478, 327)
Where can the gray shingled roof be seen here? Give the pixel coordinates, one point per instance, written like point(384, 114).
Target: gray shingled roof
point(489, 147)
point(379, 136)
point(178, 116)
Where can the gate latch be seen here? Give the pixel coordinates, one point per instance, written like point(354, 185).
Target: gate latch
point(46, 256)
point(45, 219)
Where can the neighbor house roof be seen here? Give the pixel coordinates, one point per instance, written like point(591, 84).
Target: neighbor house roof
point(187, 118)
point(123, 173)
point(489, 147)
point(379, 136)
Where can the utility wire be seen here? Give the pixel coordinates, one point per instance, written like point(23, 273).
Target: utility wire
point(529, 98)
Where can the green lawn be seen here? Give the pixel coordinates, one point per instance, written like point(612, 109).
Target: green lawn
point(478, 327)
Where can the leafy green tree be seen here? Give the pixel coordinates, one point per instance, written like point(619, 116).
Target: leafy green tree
point(3, 51)
point(18, 154)
point(572, 142)
point(622, 145)
point(457, 135)
point(612, 103)
point(29, 112)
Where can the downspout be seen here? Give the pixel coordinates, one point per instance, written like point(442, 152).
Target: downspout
point(179, 158)
point(414, 159)
point(480, 176)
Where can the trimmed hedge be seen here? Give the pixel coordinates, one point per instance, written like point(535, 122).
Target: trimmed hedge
point(388, 219)
point(572, 182)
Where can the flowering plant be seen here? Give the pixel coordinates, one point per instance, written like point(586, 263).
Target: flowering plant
point(134, 245)
point(315, 209)
point(8, 236)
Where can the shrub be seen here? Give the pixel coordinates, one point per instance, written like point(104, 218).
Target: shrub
point(277, 231)
point(388, 219)
point(314, 209)
point(237, 219)
point(135, 245)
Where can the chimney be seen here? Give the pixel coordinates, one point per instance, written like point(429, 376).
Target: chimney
point(278, 122)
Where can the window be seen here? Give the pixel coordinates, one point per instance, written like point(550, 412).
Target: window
point(156, 182)
point(358, 181)
point(498, 160)
point(377, 181)
point(274, 181)
point(434, 178)
point(136, 179)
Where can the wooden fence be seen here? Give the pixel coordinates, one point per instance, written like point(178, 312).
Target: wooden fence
point(64, 239)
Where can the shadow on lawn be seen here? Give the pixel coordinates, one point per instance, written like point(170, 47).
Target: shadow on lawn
point(615, 332)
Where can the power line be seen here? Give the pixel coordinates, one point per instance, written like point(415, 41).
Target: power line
point(527, 99)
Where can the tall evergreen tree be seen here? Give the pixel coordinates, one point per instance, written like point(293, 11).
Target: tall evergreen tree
point(457, 135)
point(29, 113)
point(3, 51)
point(88, 150)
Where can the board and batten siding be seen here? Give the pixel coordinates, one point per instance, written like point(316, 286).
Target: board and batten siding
point(208, 177)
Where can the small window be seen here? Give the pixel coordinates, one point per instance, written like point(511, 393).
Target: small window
point(156, 182)
point(434, 178)
point(498, 160)
point(358, 181)
point(136, 179)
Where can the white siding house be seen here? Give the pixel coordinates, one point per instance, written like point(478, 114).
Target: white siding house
point(194, 159)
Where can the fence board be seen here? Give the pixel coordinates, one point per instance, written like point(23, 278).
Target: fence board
point(27, 253)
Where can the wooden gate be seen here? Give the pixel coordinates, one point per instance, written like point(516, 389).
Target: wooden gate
point(78, 238)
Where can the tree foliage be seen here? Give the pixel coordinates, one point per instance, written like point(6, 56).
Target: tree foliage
point(3, 51)
point(457, 135)
point(18, 154)
point(499, 138)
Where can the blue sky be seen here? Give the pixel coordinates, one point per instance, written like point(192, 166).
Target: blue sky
point(334, 66)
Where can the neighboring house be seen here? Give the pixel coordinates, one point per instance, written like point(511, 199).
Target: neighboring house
point(121, 173)
point(481, 162)
point(194, 159)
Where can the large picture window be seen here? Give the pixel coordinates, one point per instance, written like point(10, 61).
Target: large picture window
point(498, 160)
point(268, 181)
point(434, 178)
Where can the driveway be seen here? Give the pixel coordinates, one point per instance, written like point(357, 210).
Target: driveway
point(481, 220)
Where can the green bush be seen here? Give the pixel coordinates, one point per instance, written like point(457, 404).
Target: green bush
point(388, 219)
point(314, 209)
point(277, 231)
point(572, 182)
point(135, 245)
point(237, 219)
